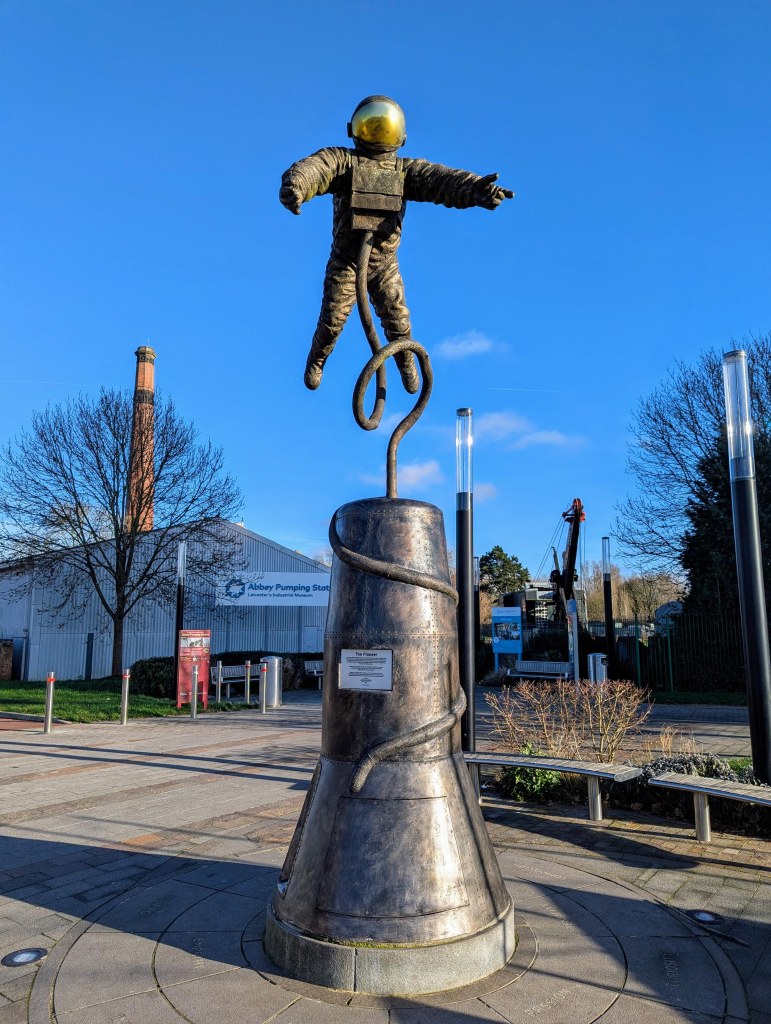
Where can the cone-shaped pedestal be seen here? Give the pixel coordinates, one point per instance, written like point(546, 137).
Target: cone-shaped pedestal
point(391, 885)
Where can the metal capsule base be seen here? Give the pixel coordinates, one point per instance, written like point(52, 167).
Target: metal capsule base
point(391, 886)
point(393, 883)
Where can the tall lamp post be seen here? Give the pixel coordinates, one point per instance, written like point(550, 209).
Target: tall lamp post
point(180, 611)
point(749, 563)
point(607, 593)
point(464, 545)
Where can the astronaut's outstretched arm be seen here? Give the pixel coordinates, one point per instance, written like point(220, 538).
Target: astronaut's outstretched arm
point(425, 182)
point(316, 175)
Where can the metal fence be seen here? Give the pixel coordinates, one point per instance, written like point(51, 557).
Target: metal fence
point(687, 652)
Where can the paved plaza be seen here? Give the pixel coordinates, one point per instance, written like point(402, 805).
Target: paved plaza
point(142, 858)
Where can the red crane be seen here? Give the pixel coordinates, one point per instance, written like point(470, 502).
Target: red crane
point(562, 580)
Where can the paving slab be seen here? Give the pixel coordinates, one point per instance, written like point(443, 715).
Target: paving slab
point(153, 849)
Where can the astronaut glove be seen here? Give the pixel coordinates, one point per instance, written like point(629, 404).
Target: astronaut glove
point(290, 199)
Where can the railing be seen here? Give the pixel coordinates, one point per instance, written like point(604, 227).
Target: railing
point(692, 651)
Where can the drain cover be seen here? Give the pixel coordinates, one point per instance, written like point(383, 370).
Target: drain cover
point(22, 957)
point(705, 917)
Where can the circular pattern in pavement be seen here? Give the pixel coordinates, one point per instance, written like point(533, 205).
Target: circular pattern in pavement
point(188, 948)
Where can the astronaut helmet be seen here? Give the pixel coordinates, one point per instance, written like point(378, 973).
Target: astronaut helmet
point(378, 124)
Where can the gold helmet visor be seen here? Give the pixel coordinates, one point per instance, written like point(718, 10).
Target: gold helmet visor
point(380, 123)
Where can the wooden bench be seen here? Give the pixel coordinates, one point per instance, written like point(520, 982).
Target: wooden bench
point(541, 670)
point(703, 789)
point(591, 769)
point(232, 675)
point(315, 668)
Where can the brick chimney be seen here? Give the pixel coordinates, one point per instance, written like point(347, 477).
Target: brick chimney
point(141, 456)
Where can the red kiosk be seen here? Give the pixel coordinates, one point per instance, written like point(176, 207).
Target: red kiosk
point(194, 649)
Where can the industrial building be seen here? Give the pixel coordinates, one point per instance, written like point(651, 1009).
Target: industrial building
point(81, 647)
point(275, 602)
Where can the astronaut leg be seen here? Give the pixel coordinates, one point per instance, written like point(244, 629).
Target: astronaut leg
point(338, 301)
point(386, 289)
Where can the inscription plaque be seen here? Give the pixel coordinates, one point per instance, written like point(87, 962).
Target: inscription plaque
point(366, 670)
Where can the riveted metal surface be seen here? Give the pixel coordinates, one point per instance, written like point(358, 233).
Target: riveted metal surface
point(404, 859)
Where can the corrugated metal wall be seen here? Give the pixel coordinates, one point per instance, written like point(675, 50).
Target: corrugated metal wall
point(56, 640)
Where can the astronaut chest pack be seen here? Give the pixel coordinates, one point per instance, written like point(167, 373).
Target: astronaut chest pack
point(377, 194)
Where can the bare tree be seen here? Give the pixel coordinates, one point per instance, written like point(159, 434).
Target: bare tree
point(675, 429)
point(79, 489)
point(638, 594)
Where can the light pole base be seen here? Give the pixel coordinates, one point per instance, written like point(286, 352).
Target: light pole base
point(391, 970)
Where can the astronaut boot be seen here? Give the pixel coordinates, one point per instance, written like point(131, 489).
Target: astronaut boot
point(321, 348)
point(409, 372)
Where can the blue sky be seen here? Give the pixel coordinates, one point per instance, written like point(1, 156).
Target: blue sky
point(142, 148)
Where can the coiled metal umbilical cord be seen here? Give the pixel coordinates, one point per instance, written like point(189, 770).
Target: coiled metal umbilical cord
point(376, 366)
point(401, 574)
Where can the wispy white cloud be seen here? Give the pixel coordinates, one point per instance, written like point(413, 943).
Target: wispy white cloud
point(388, 423)
point(485, 492)
point(473, 343)
point(497, 425)
point(412, 476)
point(419, 474)
point(552, 437)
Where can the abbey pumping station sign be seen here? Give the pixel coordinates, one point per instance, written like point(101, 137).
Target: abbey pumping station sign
point(275, 590)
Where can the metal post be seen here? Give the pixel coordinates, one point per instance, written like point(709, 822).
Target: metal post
point(464, 567)
point(749, 562)
point(701, 817)
point(247, 682)
point(194, 694)
point(263, 687)
point(50, 680)
point(89, 656)
point(124, 695)
point(218, 686)
point(607, 593)
point(669, 659)
point(180, 611)
point(573, 654)
point(595, 799)
point(637, 650)
point(477, 608)
point(464, 570)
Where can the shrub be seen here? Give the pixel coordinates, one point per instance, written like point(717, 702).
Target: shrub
point(533, 784)
point(568, 718)
point(637, 795)
point(154, 677)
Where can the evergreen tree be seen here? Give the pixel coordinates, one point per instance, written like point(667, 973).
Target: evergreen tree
point(708, 556)
point(500, 573)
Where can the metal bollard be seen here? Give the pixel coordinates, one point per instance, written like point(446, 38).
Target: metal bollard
point(701, 815)
point(50, 680)
point(124, 692)
point(194, 694)
point(263, 687)
point(595, 799)
point(248, 682)
point(218, 686)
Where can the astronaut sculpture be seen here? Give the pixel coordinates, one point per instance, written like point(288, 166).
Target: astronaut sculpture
point(390, 885)
point(371, 186)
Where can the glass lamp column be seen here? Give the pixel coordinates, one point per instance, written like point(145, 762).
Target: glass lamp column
point(180, 610)
point(749, 563)
point(607, 593)
point(464, 567)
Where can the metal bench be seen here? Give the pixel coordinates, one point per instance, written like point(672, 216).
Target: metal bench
point(231, 675)
point(703, 789)
point(315, 668)
point(593, 770)
point(541, 670)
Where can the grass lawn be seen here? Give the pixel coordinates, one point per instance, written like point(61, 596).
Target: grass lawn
point(95, 701)
point(734, 697)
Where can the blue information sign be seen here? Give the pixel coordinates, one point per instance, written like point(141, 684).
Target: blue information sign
point(507, 632)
